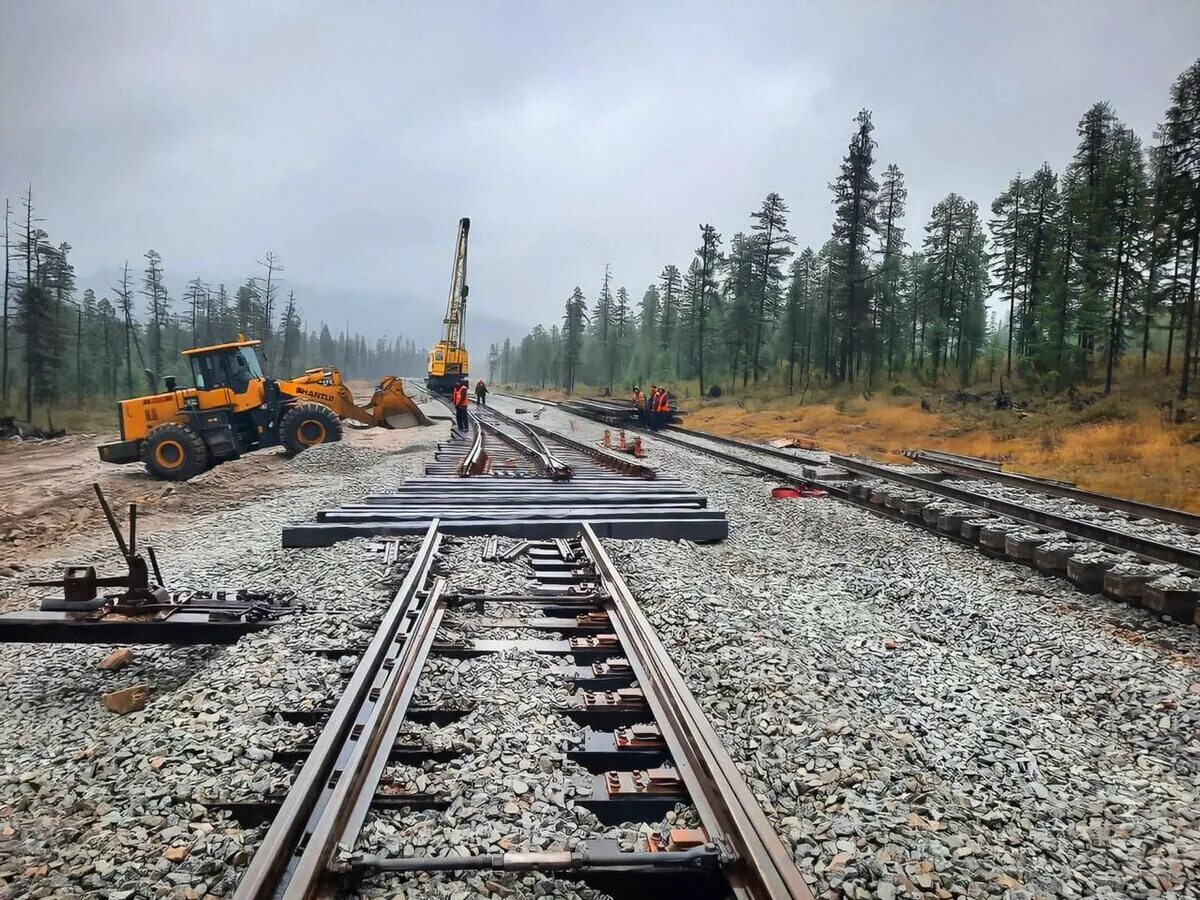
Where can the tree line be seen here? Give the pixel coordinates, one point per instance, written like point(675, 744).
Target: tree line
point(58, 346)
point(1081, 267)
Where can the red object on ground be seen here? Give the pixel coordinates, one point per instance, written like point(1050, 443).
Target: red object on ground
point(793, 493)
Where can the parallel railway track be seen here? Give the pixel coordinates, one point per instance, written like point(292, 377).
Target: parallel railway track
point(912, 492)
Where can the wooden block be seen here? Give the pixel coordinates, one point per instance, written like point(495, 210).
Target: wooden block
point(118, 659)
point(128, 700)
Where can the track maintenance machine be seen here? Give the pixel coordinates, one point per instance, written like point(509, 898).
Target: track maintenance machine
point(234, 409)
point(448, 360)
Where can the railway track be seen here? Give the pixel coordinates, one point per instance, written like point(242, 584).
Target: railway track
point(650, 754)
point(514, 478)
point(1133, 551)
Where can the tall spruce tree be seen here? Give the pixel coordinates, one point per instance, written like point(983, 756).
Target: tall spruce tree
point(855, 195)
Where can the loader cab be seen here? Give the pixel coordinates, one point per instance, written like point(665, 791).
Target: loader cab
point(234, 365)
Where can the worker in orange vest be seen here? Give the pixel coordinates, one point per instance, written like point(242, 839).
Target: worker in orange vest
point(639, 401)
point(662, 409)
point(459, 396)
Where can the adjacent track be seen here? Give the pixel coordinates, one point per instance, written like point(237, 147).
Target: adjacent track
point(841, 475)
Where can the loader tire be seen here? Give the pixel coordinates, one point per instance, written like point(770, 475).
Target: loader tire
point(174, 452)
point(307, 425)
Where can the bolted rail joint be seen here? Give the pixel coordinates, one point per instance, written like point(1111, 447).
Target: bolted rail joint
point(703, 857)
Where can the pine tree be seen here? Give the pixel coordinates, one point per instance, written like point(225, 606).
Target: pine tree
point(769, 250)
point(573, 325)
point(855, 197)
point(158, 310)
point(1041, 232)
point(892, 198)
point(1182, 130)
point(671, 282)
point(709, 256)
point(1129, 210)
point(1007, 227)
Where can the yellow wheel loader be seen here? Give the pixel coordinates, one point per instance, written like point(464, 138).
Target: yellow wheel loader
point(234, 409)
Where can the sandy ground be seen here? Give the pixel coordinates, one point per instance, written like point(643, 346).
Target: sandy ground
point(48, 505)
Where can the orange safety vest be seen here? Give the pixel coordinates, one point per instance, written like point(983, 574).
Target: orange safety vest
point(460, 396)
point(662, 404)
point(639, 399)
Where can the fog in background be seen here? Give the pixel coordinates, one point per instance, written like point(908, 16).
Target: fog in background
point(349, 138)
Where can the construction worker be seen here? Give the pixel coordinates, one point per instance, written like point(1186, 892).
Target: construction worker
point(648, 417)
point(662, 409)
point(639, 402)
point(481, 393)
point(460, 399)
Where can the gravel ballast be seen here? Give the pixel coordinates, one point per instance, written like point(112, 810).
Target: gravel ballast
point(96, 804)
point(920, 720)
point(917, 719)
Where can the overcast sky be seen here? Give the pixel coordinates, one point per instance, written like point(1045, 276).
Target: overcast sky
point(350, 137)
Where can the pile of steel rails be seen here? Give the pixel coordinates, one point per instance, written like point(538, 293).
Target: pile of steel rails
point(618, 413)
point(513, 478)
point(642, 735)
point(1113, 553)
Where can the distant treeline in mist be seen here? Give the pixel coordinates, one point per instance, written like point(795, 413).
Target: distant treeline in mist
point(1087, 264)
point(60, 346)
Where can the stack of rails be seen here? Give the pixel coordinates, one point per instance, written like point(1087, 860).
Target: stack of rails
point(515, 479)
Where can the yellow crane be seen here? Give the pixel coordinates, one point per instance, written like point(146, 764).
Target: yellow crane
point(234, 409)
point(448, 360)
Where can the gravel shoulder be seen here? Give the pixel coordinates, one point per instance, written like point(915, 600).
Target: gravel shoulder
point(95, 804)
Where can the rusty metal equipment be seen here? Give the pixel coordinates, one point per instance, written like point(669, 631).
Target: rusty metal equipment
point(137, 607)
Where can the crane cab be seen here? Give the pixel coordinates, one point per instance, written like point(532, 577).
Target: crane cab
point(447, 367)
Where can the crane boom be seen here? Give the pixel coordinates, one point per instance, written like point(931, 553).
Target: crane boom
point(448, 360)
point(456, 306)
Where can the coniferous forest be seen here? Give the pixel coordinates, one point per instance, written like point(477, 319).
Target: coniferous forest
point(61, 346)
point(1067, 274)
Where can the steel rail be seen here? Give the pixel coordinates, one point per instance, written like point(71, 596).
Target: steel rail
point(757, 863)
point(1120, 540)
point(536, 450)
point(275, 866)
point(1035, 484)
point(475, 460)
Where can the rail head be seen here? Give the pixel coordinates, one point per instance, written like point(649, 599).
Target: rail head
point(268, 873)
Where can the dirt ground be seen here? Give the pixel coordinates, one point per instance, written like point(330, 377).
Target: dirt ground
point(48, 506)
point(47, 501)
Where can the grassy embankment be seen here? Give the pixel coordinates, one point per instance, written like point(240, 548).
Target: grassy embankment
point(1125, 444)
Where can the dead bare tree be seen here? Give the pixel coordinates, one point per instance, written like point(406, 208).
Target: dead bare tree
point(272, 265)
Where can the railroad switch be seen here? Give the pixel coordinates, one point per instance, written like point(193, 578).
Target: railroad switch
point(678, 839)
point(616, 667)
point(595, 642)
point(638, 737)
point(640, 782)
point(622, 698)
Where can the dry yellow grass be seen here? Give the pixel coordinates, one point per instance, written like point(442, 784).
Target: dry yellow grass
point(1143, 457)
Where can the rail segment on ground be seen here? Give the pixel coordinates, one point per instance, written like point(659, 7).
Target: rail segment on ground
point(514, 478)
point(642, 734)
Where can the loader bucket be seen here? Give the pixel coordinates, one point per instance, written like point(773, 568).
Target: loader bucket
point(395, 409)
